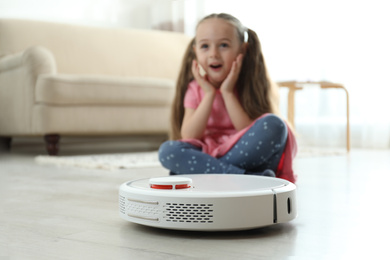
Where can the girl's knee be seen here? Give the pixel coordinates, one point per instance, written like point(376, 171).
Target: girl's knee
point(166, 149)
point(170, 152)
point(274, 124)
point(271, 120)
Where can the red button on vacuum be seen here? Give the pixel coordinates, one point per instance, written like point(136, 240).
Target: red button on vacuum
point(161, 187)
point(182, 186)
point(170, 183)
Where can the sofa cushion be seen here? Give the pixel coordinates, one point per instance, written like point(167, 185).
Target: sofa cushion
point(80, 49)
point(63, 89)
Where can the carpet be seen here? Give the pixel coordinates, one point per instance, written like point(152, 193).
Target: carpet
point(104, 161)
point(146, 159)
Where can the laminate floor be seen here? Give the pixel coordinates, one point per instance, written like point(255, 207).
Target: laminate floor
point(47, 212)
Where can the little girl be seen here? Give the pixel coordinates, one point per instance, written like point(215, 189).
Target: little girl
point(223, 118)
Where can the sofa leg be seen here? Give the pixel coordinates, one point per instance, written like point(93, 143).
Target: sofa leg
point(5, 143)
point(52, 143)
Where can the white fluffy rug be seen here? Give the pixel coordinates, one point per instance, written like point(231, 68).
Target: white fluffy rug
point(144, 159)
point(104, 161)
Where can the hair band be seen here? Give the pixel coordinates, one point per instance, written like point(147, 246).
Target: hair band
point(246, 36)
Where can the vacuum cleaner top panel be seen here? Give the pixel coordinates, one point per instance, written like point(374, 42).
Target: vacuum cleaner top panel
point(207, 185)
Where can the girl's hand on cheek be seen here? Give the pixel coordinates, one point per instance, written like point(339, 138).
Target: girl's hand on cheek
point(229, 83)
point(202, 81)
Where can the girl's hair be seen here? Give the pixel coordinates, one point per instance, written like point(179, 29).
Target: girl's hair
point(256, 92)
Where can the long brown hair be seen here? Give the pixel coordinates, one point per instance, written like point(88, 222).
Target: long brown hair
point(255, 90)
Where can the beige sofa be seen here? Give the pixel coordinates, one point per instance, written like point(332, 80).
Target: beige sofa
point(61, 79)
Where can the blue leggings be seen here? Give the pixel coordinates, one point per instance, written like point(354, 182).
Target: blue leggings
point(258, 150)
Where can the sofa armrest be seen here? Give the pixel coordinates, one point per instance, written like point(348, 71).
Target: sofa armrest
point(18, 77)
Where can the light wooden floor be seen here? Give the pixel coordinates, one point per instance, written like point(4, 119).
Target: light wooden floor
point(67, 213)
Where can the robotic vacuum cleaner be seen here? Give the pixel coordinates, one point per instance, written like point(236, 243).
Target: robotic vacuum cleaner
point(208, 202)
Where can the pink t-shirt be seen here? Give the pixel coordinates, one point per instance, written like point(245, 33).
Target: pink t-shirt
point(220, 134)
point(219, 123)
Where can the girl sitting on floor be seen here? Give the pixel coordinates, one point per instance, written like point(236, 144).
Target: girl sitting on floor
point(223, 118)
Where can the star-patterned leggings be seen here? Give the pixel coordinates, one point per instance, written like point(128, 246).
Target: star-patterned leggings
point(257, 151)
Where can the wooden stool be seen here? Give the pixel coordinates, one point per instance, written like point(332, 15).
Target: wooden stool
point(295, 85)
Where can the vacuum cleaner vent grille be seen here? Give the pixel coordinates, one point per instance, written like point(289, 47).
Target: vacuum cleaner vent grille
point(189, 213)
point(122, 204)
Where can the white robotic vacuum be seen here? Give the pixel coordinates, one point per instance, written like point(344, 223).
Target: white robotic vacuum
point(208, 202)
